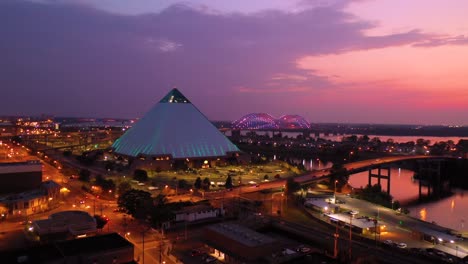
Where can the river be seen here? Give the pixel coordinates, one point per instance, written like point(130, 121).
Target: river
point(448, 212)
point(396, 139)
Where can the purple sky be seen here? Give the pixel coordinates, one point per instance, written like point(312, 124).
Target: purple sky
point(329, 61)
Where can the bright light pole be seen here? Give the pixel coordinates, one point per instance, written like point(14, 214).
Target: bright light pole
point(336, 235)
point(334, 192)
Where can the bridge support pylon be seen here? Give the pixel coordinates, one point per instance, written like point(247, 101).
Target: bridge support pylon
point(380, 176)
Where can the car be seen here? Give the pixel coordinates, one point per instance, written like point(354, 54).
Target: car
point(353, 212)
point(118, 210)
point(196, 252)
point(210, 259)
point(305, 250)
point(402, 245)
point(207, 258)
point(25, 222)
point(388, 242)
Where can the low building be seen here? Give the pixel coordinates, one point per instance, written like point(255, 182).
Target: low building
point(320, 205)
point(363, 225)
point(197, 213)
point(30, 202)
point(234, 243)
point(109, 248)
point(18, 177)
point(63, 225)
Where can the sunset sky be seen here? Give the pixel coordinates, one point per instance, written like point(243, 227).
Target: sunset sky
point(354, 61)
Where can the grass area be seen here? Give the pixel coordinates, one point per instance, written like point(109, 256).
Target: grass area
point(247, 175)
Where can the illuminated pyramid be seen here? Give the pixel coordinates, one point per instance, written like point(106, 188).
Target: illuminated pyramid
point(174, 127)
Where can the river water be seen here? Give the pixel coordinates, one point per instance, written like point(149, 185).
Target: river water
point(396, 139)
point(448, 212)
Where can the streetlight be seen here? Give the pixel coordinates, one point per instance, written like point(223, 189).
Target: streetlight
point(336, 235)
point(334, 192)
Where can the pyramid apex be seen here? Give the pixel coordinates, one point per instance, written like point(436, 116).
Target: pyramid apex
point(175, 96)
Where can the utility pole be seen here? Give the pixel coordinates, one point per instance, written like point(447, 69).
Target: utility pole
point(350, 236)
point(335, 252)
point(185, 226)
point(161, 246)
point(143, 242)
point(375, 231)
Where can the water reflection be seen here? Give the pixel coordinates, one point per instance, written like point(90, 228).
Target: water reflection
point(403, 188)
point(313, 164)
point(423, 214)
point(449, 212)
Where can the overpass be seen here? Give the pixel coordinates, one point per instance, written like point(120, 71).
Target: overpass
point(359, 166)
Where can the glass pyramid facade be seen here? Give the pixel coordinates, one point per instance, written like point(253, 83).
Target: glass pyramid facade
point(174, 127)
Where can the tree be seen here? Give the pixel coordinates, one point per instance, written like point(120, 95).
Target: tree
point(198, 183)
point(140, 175)
point(84, 175)
point(340, 174)
point(182, 184)
point(160, 215)
point(292, 186)
point(228, 184)
point(105, 184)
point(206, 184)
point(136, 203)
point(160, 200)
point(123, 188)
point(364, 139)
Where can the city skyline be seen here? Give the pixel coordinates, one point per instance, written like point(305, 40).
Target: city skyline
point(358, 61)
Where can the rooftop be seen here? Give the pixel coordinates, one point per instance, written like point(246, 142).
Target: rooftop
point(55, 253)
point(243, 235)
point(20, 163)
point(174, 128)
point(195, 208)
point(66, 221)
point(93, 244)
point(358, 222)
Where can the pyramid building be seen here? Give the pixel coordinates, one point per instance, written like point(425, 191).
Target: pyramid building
point(174, 129)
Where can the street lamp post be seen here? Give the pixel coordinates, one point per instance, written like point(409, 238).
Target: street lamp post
point(335, 252)
point(375, 231)
point(334, 192)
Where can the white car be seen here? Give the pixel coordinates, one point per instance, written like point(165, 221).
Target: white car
point(354, 212)
point(388, 242)
point(402, 245)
